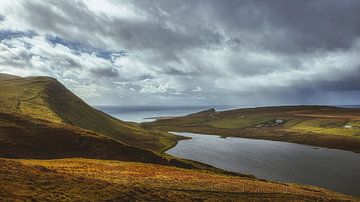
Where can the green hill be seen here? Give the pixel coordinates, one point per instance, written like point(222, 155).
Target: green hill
point(41, 119)
point(47, 99)
point(325, 126)
point(35, 139)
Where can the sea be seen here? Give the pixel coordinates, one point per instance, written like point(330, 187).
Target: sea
point(149, 113)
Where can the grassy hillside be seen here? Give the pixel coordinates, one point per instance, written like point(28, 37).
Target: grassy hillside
point(31, 127)
point(40, 119)
point(315, 125)
point(99, 180)
point(35, 139)
point(47, 99)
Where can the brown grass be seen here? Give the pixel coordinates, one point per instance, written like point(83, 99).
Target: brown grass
point(101, 180)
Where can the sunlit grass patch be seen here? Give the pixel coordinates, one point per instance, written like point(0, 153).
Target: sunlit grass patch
point(328, 131)
point(170, 180)
point(353, 124)
point(326, 126)
point(239, 121)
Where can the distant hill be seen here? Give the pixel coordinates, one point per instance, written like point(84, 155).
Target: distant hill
point(205, 112)
point(325, 126)
point(47, 99)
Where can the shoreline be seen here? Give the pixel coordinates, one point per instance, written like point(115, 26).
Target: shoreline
point(305, 141)
point(254, 138)
point(257, 177)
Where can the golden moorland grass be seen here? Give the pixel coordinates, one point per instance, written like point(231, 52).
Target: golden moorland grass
point(41, 119)
point(84, 179)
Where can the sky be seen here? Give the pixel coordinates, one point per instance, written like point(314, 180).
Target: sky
point(188, 52)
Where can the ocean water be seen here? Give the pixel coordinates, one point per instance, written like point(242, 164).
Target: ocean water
point(147, 113)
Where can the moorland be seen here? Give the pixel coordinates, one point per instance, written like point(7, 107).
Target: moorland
point(326, 126)
point(55, 147)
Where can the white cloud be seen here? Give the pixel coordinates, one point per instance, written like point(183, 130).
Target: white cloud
point(148, 52)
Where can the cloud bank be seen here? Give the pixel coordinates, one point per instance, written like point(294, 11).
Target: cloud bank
point(190, 51)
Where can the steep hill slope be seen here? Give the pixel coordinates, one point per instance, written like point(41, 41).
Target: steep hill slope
point(47, 99)
point(36, 139)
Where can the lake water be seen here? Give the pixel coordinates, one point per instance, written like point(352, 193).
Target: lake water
point(279, 161)
point(334, 169)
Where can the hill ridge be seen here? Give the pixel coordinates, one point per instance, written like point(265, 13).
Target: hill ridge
point(47, 99)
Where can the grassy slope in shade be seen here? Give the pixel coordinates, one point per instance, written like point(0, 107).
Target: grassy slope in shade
point(36, 139)
point(46, 99)
point(29, 128)
point(331, 127)
point(99, 180)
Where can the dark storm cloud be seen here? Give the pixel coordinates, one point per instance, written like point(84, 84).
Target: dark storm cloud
point(133, 34)
point(286, 25)
point(346, 82)
point(327, 24)
point(293, 25)
point(219, 51)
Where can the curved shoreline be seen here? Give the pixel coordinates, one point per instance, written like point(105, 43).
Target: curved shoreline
point(200, 150)
point(327, 141)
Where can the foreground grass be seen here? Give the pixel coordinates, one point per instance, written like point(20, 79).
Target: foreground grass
point(100, 180)
point(314, 125)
